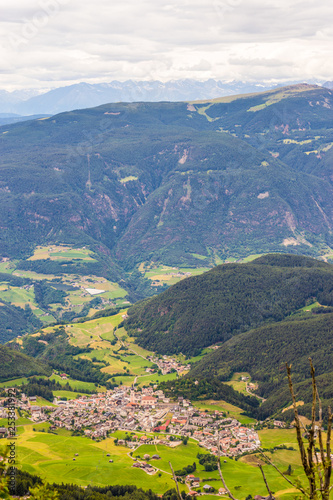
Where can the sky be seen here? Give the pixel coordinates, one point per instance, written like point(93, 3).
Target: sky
point(50, 43)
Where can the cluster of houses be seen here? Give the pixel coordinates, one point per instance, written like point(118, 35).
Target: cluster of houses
point(146, 411)
point(168, 365)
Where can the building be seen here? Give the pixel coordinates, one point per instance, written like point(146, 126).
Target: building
point(148, 401)
point(3, 432)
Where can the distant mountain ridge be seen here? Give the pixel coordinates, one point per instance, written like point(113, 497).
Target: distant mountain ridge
point(86, 95)
point(262, 314)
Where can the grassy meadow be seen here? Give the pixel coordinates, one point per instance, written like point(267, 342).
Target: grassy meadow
point(80, 290)
point(51, 456)
point(112, 346)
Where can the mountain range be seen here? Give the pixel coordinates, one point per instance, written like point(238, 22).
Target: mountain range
point(86, 95)
point(178, 183)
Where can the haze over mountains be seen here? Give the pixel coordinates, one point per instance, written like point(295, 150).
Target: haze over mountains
point(86, 95)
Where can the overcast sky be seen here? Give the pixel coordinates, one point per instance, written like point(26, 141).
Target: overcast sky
point(50, 43)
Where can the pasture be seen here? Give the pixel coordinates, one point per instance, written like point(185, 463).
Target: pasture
point(51, 456)
point(229, 409)
point(61, 252)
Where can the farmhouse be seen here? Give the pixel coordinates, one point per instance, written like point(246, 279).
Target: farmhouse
point(3, 432)
point(207, 487)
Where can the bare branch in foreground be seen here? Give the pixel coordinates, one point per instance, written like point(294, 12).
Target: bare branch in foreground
point(283, 475)
point(266, 483)
point(230, 495)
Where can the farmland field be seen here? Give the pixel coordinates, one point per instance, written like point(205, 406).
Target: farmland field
point(230, 410)
point(62, 252)
point(237, 383)
point(78, 290)
point(51, 456)
point(124, 360)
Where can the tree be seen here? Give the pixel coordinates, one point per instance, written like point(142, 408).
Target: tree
point(43, 493)
point(315, 454)
point(288, 471)
point(317, 468)
point(4, 490)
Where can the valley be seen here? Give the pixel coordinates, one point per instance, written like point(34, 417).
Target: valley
point(107, 437)
point(160, 264)
point(109, 409)
point(71, 294)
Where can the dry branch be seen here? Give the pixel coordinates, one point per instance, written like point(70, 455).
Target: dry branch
point(302, 490)
point(266, 483)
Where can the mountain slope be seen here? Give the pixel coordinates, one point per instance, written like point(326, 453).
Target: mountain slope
point(228, 300)
point(15, 364)
point(293, 342)
point(177, 183)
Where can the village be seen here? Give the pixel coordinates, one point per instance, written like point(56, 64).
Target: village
point(144, 411)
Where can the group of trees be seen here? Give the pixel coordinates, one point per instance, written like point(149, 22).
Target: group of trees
point(61, 356)
point(16, 364)
point(208, 461)
point(46, 294)
point(189, 469)
point(314, 449)
point(43, 388)
point(208, 388)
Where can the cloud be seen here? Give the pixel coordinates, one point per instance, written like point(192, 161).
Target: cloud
point(54, 42)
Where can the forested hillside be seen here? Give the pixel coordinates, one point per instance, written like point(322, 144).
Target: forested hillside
point(16, 321)
point(55, 351)
point(16, 364)
point(264, 352)
point(228, 300)
point(177, 183)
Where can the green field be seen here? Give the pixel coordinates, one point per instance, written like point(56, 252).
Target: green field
point(97, 330)
point(230, 410)
point(16, 381)
point(275, 437)
point(78, 384)
point(63, 252)
point(16, 295)
point(67, 394)
point(42, 402)
point(51, 457)
point(122, 356)
point(80, 290)
point(238, 384)
point(169, 275)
